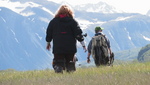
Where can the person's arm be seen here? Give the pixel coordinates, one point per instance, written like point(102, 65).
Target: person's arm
point(108, 44)
point(78, 34)
point(88, 58)
point(48, 46)
point(110, 51)
point(49, 35)
point(83, 45)
point(89, 51)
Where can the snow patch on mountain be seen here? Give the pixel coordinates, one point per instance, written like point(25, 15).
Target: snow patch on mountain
point(146, 38)
point(16, 40)
point(84, 23)
point(122, 18)
point(13, 32)
point(3, 19)
point(27, 14)
point(27, 53)
point(47, 10)
point(31, 19)
point(44, 19)
point(101, 7)
point(111, 35)
point(127, 33)
point(38, 36)
point(19, 7)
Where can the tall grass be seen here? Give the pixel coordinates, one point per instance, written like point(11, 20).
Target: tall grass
point(124, 74)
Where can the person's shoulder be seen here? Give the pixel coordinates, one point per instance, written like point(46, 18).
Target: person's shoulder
point(98, 35)
point(94, 37)
point(73, 19)
point(55, 18)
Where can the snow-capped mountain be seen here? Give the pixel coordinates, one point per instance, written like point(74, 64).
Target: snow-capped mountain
point(22, 42)
point(25, 7)
point(100, 7)
point(23, 25)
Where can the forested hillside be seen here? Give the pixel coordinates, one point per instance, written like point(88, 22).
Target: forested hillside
point(144, 54)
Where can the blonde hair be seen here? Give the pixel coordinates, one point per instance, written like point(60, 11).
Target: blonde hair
point(65, 9)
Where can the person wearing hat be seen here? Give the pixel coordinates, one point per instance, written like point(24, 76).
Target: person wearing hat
point(98, 31)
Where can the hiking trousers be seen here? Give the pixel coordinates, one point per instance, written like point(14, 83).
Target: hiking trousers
point(64, 62)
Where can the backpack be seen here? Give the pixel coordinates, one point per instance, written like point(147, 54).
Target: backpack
point(100, 50)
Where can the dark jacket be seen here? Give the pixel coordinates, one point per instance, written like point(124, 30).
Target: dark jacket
point(64, 32)
point(90, 43)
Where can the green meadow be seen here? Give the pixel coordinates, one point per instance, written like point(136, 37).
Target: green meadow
point(123, 74)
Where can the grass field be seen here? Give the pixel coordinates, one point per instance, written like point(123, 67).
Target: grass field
point(123, 74)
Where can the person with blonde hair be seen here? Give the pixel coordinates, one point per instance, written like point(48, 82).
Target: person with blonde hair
point(64, 31)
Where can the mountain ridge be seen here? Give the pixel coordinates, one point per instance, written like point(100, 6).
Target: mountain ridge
point(100, 7)
point(22, 38)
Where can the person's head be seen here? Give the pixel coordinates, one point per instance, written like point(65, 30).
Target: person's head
point(65, 10)
point(98, 29)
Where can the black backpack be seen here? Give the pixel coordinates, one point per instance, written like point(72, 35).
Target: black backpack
point(100, 50)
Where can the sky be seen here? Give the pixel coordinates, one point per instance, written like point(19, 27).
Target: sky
point(131, 6)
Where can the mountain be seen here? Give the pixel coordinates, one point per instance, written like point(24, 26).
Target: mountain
point(22, 44)
point(100, 7)
point(23, 27)
point(129, 32)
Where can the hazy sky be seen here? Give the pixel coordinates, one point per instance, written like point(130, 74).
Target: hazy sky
point(133, 6)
